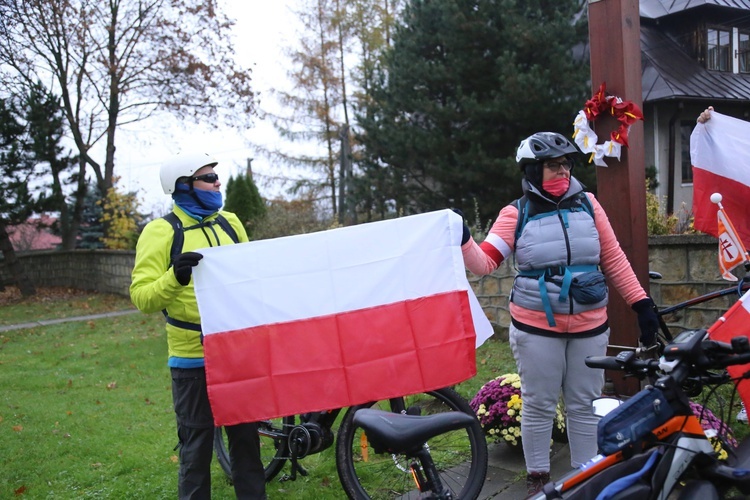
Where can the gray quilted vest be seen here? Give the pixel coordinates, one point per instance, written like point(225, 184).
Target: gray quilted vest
point(553, 247)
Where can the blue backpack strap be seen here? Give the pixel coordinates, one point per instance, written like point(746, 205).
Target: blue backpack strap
point(522, 204)
point(586, 204)
point(566, 272)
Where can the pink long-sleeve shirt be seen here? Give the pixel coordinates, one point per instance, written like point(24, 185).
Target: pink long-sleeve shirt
point(499, 244)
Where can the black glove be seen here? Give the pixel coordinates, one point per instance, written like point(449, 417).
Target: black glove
point(648, 321)
point(183, 266)
point(467, 233)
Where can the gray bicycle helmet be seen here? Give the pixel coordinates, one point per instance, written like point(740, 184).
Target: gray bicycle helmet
point(542, 146)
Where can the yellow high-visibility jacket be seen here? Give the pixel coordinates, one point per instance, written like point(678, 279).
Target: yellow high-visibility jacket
point(154, 286)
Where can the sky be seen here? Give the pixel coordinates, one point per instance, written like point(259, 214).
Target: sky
point(262, 31)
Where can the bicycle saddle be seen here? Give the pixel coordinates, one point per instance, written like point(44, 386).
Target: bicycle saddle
point(399, 433)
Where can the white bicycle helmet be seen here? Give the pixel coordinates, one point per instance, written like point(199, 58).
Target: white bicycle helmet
point(543, 146)
point(182, 165)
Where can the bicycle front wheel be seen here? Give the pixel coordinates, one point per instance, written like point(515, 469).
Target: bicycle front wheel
point(460, 456)
point(274, 439)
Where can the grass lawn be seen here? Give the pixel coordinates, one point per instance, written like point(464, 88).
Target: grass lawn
point(86, 408)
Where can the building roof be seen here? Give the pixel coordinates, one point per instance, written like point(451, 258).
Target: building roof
point(33, 235)
point(654, 9)
point(670, 73)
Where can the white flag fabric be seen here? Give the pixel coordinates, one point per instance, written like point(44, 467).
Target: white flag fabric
point(336, 318)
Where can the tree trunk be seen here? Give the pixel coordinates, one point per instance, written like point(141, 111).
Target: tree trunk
point(24, 283)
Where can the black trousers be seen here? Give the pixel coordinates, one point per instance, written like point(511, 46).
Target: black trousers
point(195, 430)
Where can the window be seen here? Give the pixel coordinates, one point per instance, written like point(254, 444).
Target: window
point(719, 50)
point(743, 52)
point(686, 128)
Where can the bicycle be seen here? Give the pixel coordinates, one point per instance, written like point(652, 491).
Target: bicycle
point(664, 335)
point(407, 435)
point(458, 455)
point(664, 447)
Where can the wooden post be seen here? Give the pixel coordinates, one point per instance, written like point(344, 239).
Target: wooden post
point(614, 35)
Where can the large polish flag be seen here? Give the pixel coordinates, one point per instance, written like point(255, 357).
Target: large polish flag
point(720, 155)
point(337, 318)
point(734, 323)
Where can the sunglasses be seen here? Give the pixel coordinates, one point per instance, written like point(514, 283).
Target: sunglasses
point(210, 178)
point(555, 166)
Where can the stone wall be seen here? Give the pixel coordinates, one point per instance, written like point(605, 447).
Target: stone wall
point(688, 264)
point(689, 267)
point(106, 271)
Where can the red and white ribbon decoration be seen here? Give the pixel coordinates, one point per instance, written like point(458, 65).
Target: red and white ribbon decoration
point(625, 112)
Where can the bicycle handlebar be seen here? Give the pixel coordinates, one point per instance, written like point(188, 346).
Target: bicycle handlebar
point(690, 354)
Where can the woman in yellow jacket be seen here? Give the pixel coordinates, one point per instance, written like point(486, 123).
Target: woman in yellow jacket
point(161, 282)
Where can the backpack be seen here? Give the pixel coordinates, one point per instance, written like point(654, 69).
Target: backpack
point(179, 232)
point(178, 241)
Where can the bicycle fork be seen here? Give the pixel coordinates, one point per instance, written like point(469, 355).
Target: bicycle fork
point(424, 466)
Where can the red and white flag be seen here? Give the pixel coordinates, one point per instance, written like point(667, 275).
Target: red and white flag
point(720, 155)
point(336, 318)
point(732, 252)
point(735, 323)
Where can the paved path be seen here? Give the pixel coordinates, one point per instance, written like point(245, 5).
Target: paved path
point(46, 322)
point(506, 474)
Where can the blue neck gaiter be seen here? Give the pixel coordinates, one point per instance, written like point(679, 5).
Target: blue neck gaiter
point(197, 202)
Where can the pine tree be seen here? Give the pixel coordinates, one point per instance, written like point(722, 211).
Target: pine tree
point(244, 200)
point(91, 231)
point(17, 201)
point(464, 83)
point(46, 129)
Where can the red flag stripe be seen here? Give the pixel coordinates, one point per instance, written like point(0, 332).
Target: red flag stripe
point(734, 323)
point(341, 359)
point(735, 195)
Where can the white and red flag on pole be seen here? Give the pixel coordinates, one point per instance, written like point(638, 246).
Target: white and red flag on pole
point(720, 155)
point(336, 318)
point(734, 323)
point(732, 252)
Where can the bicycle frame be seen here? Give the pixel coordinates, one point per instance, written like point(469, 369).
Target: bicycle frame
point(741, 287)
point(672, 452)
point(363, 472)
point(687, 436)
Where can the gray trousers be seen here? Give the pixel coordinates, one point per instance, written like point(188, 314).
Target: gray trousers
point(549, 366)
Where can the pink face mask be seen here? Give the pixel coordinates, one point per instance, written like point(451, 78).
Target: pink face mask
point(557, 186)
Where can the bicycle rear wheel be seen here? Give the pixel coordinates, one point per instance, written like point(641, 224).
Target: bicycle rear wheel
point(460, 456)
point(274, 448)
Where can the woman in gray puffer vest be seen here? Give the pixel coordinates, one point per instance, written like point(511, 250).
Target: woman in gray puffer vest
point(564, 247)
